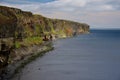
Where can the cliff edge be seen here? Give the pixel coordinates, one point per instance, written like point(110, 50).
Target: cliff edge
point(21, 29)
point(15, 22)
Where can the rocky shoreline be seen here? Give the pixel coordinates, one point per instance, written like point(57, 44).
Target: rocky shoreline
point(19, 63)
point(24, 35)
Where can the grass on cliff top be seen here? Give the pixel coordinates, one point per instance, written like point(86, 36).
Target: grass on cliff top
point(28, 42)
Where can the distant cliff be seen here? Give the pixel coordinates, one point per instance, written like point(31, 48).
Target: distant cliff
point(15, 22)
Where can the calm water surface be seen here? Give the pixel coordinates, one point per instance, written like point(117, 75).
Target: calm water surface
point(94, 56)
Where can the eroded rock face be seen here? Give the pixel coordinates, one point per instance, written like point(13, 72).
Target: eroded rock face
point(8, 22)
point(21, 24)
point(4, 55)
point(16, 21)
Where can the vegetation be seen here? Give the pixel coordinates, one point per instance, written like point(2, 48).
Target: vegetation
point(28, 42)
point(36, 25)
point(27, 29)
point(32, 40)
point(24, 29)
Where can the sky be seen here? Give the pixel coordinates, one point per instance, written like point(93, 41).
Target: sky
point(97, 13)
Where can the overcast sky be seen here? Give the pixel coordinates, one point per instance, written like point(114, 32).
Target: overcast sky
point(96, 13)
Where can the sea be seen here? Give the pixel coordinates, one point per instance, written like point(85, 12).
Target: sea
point(93, 56)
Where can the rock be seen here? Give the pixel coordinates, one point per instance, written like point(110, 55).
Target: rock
point(25, 24)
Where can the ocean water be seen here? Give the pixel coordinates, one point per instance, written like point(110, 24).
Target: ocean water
point(94, 56)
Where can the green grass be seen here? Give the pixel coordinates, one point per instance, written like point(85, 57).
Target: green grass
point(28, 42)
point(39, 28)
point(51, 26)
point(17, 44)
point(32, 41)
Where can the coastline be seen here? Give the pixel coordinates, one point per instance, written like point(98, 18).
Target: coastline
point(30, 34)
point(12, 69)
point(83, 57)
point(26, 55)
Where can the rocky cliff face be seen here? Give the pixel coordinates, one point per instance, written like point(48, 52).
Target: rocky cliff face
point(16, 21)
point(8, 21)
point(31, 28)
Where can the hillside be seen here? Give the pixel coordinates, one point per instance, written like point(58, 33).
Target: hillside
point(27, 24)
point(21, 31)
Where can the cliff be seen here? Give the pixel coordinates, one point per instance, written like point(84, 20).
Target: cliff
point(24, 29)
point(26, 24)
